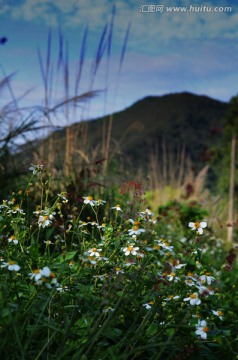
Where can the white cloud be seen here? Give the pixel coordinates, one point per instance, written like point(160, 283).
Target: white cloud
point(165, 26)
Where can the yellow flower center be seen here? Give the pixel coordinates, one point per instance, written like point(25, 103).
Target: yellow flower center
point(220, 313)
point(193, 296)
point(151, 302)
point(208, 274)
point(52, 275)
point(45, 217)
point(94, 250)
point(11, 262)
point(118, 269)
point(205, 329)
point(156, 247)
point(135, 227)
point(90, 198)
point(36, 271)
point(171, 296)
point(173, 274)
point(130, 248)
point(198, 316)
point(197, 225)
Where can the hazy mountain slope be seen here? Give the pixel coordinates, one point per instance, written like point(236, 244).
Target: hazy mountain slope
point(181, 119)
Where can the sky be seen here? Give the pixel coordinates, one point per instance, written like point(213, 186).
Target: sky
point(156, 47)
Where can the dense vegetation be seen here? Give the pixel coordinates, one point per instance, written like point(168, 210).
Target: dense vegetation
point(98, 280)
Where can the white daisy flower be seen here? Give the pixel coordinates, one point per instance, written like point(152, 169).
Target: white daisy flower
point(165, 245)
point(152, 220)
point(189, 282)
point(119, 271)
point(198, 226)
point(218, 313)
point(44, 221)
point(44, 276)
point(206, 278)
point(62, 288)
point(135, 229)
point(130, 250)
point(13, 240)
point(149, 305)
point(193, 298)
point(147, 212)
point(89, 200)
point(100, 202)
point(202, 329)
point(117, 207)
point(36, 168)
point(94, 252)
point(45, 217)
point(172, 277)
point(11, 265)
point(35, 275)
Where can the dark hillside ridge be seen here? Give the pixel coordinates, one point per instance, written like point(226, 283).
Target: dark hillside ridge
point(180, 119)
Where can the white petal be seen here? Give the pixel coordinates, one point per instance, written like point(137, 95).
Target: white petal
point(46, 271)
point(203, 224)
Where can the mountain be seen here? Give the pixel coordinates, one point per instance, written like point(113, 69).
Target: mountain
point(174, 120)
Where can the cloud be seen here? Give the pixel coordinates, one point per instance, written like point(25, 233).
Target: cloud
point(165, 26)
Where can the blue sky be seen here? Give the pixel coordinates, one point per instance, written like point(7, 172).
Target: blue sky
point(167, 52)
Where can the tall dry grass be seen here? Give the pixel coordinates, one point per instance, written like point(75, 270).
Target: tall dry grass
point(172, 176)
point(77, 152)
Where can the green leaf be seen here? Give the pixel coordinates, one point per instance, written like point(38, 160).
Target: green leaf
point(49, 232)
point(152, 330)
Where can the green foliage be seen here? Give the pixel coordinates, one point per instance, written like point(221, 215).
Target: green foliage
point(114, 286)
point(181, 213)
point(222, 152)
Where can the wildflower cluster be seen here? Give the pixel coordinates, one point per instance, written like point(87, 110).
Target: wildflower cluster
point(100, 273)
point(44, 276)
point(45, 217)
